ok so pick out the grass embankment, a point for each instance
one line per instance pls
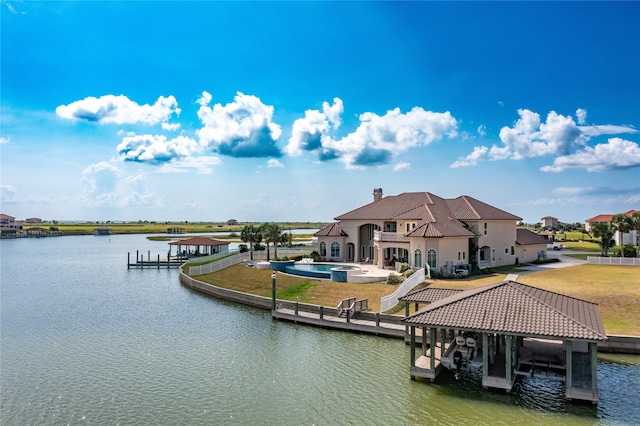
(616, 289)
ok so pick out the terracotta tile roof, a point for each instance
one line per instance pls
(428, 295)
(468, 208)
(600, 218)
(608, 217)
(408, 205)
(199, 241)
(513, 308)
(426, 206)
(434, 214)
(331, 230)
(524, 237)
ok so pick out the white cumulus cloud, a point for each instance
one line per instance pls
(156, 149)
(242, 128)
(119, 110)
(557, 136)
(308, 133)
(273, 163)
(616, 154)
(402, 166)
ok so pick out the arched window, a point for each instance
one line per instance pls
(335, 249)
(432, 258)
(417, 259)
(323, 249)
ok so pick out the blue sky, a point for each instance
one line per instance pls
(295, 111)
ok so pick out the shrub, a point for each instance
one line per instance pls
(404, 267)
(394, 279)
(408, 272)
(243, 248)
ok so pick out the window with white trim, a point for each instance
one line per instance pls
(335, 249)
(417, 258)
(432, 258)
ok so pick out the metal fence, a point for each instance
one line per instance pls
(388, 302)
(628, 261)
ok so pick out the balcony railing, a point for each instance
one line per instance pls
(389, 236)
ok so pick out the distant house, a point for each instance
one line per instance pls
(101, 231)
(421, 228)
(36, 231)
(232, 222)
(627, 238)
(8, 226)
(33, 220)
(549, 222)
(529, 246)
(175, 230)
(591, 223)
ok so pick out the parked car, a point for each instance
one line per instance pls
(554, 246)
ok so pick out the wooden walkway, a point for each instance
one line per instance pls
(378, 328)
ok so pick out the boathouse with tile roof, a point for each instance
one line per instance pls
(516, 330)
(199, 246)
(421, 228)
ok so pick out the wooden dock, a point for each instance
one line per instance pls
(375, 325)
(158, 263)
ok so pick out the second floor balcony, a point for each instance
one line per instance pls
(397, 237)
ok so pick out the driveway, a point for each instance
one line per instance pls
(563, 263)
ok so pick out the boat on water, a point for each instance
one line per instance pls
(464, 353)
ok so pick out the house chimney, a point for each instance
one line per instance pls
(377, 194)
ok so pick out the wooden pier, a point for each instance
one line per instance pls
(167, 263)
(368, 323)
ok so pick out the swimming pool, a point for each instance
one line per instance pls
(329, 271)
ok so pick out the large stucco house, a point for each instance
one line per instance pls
(8, 226)
(630, 237)
(422, 229)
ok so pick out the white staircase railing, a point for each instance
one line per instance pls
(388, 302)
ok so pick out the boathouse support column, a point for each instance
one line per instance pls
(412, 346)
(593, 360)
(507, 356)
(443, 338)
(406, 314)
(433, 332)
(424, 341)
(569, 364)
(485, 355)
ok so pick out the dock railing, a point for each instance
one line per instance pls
(388, 302)
(345, 305)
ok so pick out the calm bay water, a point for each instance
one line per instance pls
(86, 341)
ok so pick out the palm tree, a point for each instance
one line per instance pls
(251, 234)
(272, 234)
(604, 232)
(635, 223)
(621, 223)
